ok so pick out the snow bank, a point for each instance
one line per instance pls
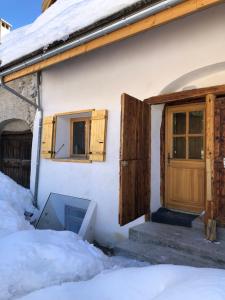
(14, 201)
(34, 259)
(56, 23)
(163, 282)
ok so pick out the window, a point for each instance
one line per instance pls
(75, 136)
(80, 137)
(188, 135)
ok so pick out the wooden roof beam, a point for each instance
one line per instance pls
(46, 4)
(188, 94)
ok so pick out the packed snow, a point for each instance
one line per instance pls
(63, 18)
(47, 264)
(33, 259)
(14, 200)
(162, 282)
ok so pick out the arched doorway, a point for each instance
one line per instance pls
(15, 151)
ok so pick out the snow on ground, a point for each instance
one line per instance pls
(14, 201)
(55, 24)
(162, 282)
(33, 259)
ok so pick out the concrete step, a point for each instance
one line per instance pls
(155, 254)
(185, 240)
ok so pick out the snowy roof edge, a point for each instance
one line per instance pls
(44, 57)
(105, 21)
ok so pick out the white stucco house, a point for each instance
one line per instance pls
(166, 61)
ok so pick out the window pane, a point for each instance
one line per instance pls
(196, 121)
(196, 150)
(79, 137)
(179, 123)
(179, 147)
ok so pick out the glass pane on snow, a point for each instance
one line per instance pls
(63, 212)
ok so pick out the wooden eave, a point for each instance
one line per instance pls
(46, 4)
(183, 9)
(186, 95)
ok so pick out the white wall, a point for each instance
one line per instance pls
(184, 53)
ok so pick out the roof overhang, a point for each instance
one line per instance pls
(169, 14)
(46, 4)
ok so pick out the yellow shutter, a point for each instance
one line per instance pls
(47, 137)
(98, 135)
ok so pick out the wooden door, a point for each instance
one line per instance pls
(15, 156)
(185, 158)
(219, 158)
(134, 159)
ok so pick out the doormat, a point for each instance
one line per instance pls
(166, 216)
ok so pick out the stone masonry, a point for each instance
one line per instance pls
(14, 109)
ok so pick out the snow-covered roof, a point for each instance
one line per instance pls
(57, 23)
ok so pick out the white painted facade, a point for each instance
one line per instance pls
(187, 53)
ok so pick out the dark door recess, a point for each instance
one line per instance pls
(15, 156)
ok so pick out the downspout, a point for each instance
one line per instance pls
(38, 158)
(38, 108)
(140, 15)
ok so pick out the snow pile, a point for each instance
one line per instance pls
(14, 201)
(149, 283)
(34, 259)
(55, 24)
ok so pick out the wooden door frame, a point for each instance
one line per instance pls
(208, 95)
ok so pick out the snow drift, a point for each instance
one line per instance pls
(33, 259)
(14, 201)
(57, 23)
(163, 282)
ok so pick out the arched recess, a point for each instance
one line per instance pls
(15, 150)
(206, 76)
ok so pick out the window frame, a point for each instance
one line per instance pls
(87, 121)
(187, 109)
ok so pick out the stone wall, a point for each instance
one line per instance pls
(13, 108)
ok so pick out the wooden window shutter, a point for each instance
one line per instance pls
(134, 159)
(48, 137)
(98, 135)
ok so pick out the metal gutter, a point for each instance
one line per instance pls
(142, 14)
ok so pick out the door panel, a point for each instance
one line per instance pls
(185, 162)
(219, 158)
(134, 159)
(15, 156)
